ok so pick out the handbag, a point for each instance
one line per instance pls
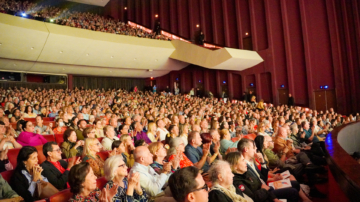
(45, 190)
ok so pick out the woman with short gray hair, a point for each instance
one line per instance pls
(223, 189)
(129, 189)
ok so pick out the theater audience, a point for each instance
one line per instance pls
(225, 142)
(109, 138)
(27, 137)
(140, 134)
(54, 168)
(7, 193)
(60, 126)
(196, 154)
(7, 141)
(152, 134)
(81, 124)
(129, 148)
(158, 151)
(129, 188)
(27, 174)
(71, 147)
(42, 129)
(82, 181)
(176, 150)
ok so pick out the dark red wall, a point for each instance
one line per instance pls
(304, 44)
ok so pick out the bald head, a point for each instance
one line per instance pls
(282, 132)
(143, 156)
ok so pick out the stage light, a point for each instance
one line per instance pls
(151, 77)
(156, 15)
(125, 8)
(177, 79)
(224, 82)
(321, 87)
(282, 86)
(251, 84)
(199, 81)
(197, 25)
(326, 87)
(51, 20)
(23, 14)
(246, 33)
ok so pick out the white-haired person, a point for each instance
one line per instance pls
(222, 189)
(129, 188)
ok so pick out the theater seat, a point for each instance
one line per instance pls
(49, 119)
(30, 119)
(100, 139)
(49, 138)
(100, 182)
(250, 136)
(103, 155)
(59, 139)
(63, 195)
(13, 125)
(7, 175)
(41, 156)
(12, 156)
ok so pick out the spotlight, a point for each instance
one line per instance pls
(151, 77)
(321, 87)
(326, 87)
(51, 20)
(197, 25)
(177, 79)
(125, 8)
(24, 15)
(156, 15)
(251, 84)
(224, 82)
(199, 81)
(246, 33)
(282, 86)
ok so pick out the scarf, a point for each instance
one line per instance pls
(231, 192)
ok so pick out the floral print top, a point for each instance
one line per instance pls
(121, 194)
(94, 196)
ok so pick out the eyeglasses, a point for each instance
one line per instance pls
(57, 150)
(204, 187)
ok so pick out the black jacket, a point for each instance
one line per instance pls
(252, 187)
(20, 185)
(218, 196)
(54, 175)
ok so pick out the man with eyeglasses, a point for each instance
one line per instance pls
(187, 185)
(55, 169)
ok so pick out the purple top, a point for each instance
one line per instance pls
(143, 135)
(30, 139)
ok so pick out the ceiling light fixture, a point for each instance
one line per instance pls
(112, 56)
(61, 52)
(32, 48)
(87, 54)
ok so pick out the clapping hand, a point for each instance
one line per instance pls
(229, 150)
(166, 167)
(3, 154)
(107, 194)
(217, 147)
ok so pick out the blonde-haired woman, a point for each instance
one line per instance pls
(91, 147)
(153, 135)
(261, 129)
(184, 131)
(260, 105)
(128, 189)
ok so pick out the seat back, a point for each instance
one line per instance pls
(30, 119)
(41, 156)
(49, 119)
(59, 138)
(100, 139)
(250, 136)
(100, 182)
(63, 195)
(49, 138)
(12, 156)
(7, 175)
(103, 155)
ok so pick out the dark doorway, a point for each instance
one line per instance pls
(283, 96)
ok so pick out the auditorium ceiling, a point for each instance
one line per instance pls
(36, 47)
(92, 2)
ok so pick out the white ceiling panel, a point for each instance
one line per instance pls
(92, 2)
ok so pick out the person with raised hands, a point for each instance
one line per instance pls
(196, 154)
(27, 174)
(158, 151)
(57, 170)
(71, 147)
(129, 188)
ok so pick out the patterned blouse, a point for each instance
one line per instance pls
(121, 194)
(96, 163)
(184, 162)
(94, 196)
(159, 167)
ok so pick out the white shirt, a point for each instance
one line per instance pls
(149, 179)
(163, 133)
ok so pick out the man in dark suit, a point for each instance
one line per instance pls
(55, 169)
(291, 101)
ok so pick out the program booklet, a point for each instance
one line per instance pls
(280, 184)
(285, 174)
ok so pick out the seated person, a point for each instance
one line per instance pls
(225, 142)
(222, 189)
(71, 147)
(7, 141)
(176, 150)
(188, 185)
(60, 127)
(91, 147)
(174, 132)
(81, 124)
(120, 149)
(129, 188)
(82, 183)
(109, 138)
(309, 132)
(140, 134)
(158, 151)
(54, 168)
(129, 148)
(28, 138)
(99, 129)
(149, 179)
(27, 173)
(152, 134)
(196, 154)
(6, 193)
(4, 162)
(42, 129)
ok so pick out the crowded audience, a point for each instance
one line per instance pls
(160, 147)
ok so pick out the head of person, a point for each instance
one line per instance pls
(82, 178)
(70, 135)
(113, 122)
(28, 126)
(16, 113)
(224, 125)
(215, 135)
(59, 122)
(184, 129)
(124, 129)
(247, 147)
(282, 132)
(115, 168)
(29, 110)
(27, 158)
(295, 129)
(38, 120)
(204, 124)
(195, 128)
(220, 173)
(127, 121)
(89, 132)
(174, 130)
(237, 162)
(268, 142)
(2, 128)
(225, 134)
(82, 124)
(109, 132)
(188, 185)
(91, 146)
(176, 145)
(143, 156)
(52, 151)
(126, 140)
(158, 150)
(260, 143)
(194, 139)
